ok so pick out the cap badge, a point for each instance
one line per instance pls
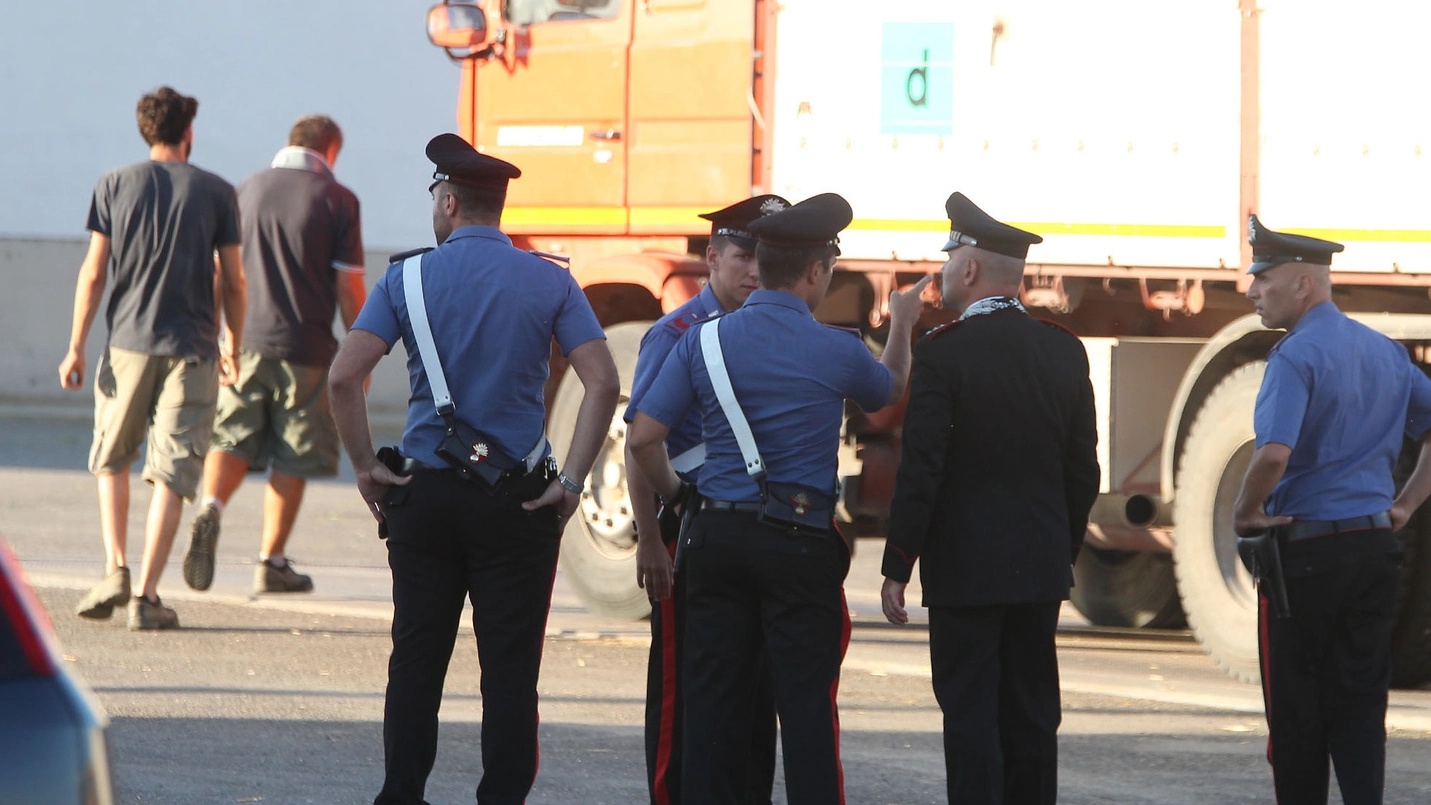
(802, 504)
(480, 451)
(772, 205)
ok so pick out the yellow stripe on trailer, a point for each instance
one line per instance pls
(669, 216)
(1368, 235)
(1049, 228)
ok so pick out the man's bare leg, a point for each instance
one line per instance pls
(114, 516)
(223, 473)
(114, 589)
(164, 510)
(280, 508)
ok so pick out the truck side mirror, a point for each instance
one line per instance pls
(457, 26)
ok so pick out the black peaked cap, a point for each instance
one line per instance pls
(1275, 248)
(971, 226)
(457, 161)
(734, 221)
(816, 221)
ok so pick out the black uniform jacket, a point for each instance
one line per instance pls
(999, 466)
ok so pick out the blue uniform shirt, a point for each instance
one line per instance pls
(656, 344)
(1340, 395)
(493, 310)
(791, 375)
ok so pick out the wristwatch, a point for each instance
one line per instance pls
(568, 484)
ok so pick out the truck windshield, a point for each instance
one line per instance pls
(527, 12)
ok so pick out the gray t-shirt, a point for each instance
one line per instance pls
(164, 220)
(300, 227)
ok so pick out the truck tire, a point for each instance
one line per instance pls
(1127, 588)
(1217, 592)
(598, 548)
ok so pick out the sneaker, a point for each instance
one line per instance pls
(271, 578)
(113, 591)
(199, 561)
(146, 614)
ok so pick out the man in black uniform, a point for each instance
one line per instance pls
(997, 477)
(476, 507)
(1335, 402)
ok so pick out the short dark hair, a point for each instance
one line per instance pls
(164, 115)
(315, 132)
(782, 266)
(477, 202)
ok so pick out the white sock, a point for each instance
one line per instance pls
(213, 503)
(275, 559)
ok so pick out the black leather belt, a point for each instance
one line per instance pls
(411, 466)
(729, 506)
(1308, 529)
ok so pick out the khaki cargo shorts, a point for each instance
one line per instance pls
(171, 399)
(278, 414)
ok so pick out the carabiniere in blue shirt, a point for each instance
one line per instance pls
(791, 375)
(494, 310)
(656, 346)
(1326, 395)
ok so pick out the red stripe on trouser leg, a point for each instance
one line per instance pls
(1264, 657)
(662, 789)
(846, 627)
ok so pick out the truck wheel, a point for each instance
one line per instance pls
(1217, 592)
(1127, 588)
(598, 549)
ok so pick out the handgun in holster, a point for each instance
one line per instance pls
(1262, 556)
(675, 519)
(393, 459)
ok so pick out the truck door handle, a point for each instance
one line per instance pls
(606, 134)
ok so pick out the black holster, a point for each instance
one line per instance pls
(393, 459)
(675, 519)
(1262, 556)
(475, 455)
(799, 508)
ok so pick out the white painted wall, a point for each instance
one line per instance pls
(71, 73)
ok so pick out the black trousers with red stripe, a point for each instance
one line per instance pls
(665, 705)
(995, 673)
(450, 540)
(748, 586)
(1326, 669)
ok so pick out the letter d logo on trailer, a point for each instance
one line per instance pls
(917, 78)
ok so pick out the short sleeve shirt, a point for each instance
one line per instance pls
(1341, 395)
(164, 220)
(300, 229)
(791, 375)
(656, 344)
(494, 311)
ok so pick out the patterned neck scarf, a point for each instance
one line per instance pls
(992, 304)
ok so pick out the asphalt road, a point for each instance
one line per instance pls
(279, 699)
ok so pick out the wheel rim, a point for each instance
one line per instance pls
(1229, 564)
(605, 507)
